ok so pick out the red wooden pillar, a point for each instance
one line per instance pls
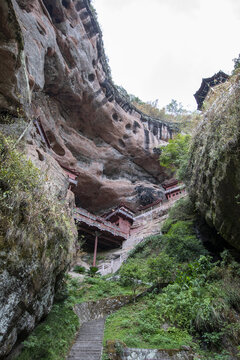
(95, 249)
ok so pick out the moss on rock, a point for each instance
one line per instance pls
(36, 242)
(215, 162)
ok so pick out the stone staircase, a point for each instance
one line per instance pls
(88, 344)
(92, 315)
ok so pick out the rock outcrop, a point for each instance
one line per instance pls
(37, 238)
(53, 68)
(215, 162)
(56, 88)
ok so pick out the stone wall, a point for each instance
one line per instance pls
(154, 354)
(93, 310)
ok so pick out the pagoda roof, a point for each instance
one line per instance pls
(208, 83)
(169, 183)
(122, 211)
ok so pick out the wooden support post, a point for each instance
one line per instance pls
(95, 250)
(97, 233)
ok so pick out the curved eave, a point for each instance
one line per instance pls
(202, 92)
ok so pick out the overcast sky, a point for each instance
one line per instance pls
(161, 49)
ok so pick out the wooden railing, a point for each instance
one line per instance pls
(86, 217)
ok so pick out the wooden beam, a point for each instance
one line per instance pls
(119, 242)
(103, 242)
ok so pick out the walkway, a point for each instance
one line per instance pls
(145, 224)
(113, 259)
(88, 344)
(92, 315)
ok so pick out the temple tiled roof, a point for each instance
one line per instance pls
(208, 83)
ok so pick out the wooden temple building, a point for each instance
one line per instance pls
(173, 189)
(107, 231)
(207, 84)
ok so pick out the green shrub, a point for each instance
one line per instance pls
(161, 269)
(175, 155)
(79, 269)
(150, 245)
(131, 275)
(182, 210)
(92, 271)
(182, 243)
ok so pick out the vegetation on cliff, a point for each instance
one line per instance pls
(36, 244)
(214, 161)
(172, 113)
(199, 306)
(175, 156)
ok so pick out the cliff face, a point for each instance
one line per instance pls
(54, 68)
(215, 163)
(36, 246)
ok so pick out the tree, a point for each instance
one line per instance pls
(174, 156)
(131, 275)
(161, 269)
(236, 64)
(175, 108)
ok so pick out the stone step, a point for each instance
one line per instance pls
(80, 351)
(88, 343)
(85, 345)
(85, 337)
(85, 357)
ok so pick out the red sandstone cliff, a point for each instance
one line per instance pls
(53, 66)
(53, 69)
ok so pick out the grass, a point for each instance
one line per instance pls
(138, 325)
(52, 338)
(99, 288)
(199, 307)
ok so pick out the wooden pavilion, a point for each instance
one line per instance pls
(208, 83)
(107, 231)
